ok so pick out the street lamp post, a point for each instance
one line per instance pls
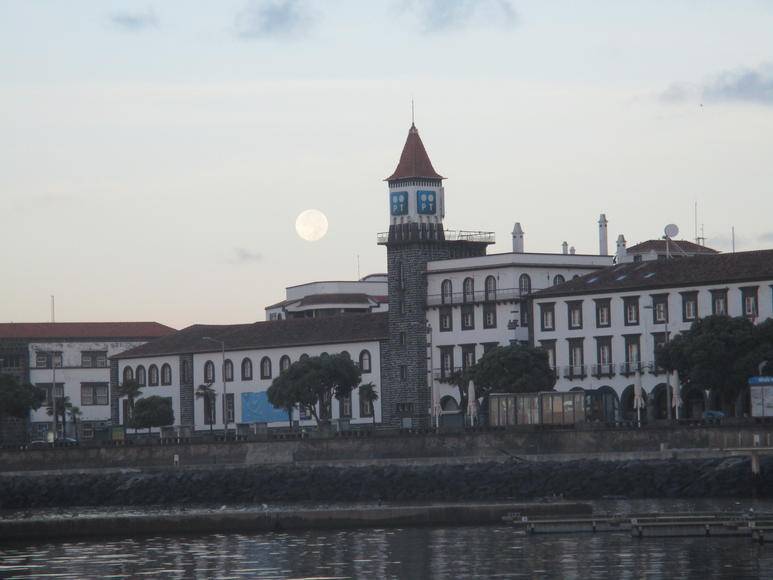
(222, 374)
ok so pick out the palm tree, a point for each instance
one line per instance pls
(207, 393)
(59, 409)
(368, 393)
(74, 413)
(131, 390)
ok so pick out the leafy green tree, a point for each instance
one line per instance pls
(152, 412)
(18, 399)
(719, 353)
(206, 392)
(313, 382)
(512, 369)
(131, 390)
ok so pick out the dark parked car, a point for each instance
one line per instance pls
(713, 416)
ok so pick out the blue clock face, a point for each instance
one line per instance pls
(398, 201)
(426, 202)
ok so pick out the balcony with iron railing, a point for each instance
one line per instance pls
(452, 236)
(575, 372)
(603, 370)
(442, 374)
(478, 296)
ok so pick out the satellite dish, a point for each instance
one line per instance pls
(671, 230)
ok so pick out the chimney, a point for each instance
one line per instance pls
(620, 255)
(518, 238)
(603, 246)
(564, 248)
(572, 250)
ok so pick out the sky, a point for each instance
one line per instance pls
(154, 155)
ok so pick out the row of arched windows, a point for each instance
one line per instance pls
(151, 378)
(490, 289)
(265, 367)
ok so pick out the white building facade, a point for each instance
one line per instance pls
(239, 362)
(601, 330)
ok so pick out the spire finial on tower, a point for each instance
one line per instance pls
(413, 122)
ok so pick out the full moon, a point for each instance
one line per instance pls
(311, 225)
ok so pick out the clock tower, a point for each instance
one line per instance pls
(416, 236)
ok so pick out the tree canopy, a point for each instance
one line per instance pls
(154, 411)
(719, 352)
(313, 382)
(512, 369)
(17, 399)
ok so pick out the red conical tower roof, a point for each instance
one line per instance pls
(414, 161)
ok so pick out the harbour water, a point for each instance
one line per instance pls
(413, 553)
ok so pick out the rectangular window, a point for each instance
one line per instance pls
(228, 408)
(487, 346)
(603, 314)
(576, 359)
(43, 359)
(402, 339)
(403, 372)
(446, 321)
(689, 306)
(94, 359)
(658, 340)
(446, 361)
(366, 406)
(209, 410)
(468, 355)
(550, 348)
(604, 366)
(749, 301)
(659, 308)
(47, 390)
(345, 407)
(574, 309)
(631, 310)
(94, 394)
(719, 302)
(632, 354)
(547, 316)
(468, 317)
(489, 316)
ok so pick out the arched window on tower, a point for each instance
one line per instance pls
(228, 370)
(558, 279)
(446, 292)
(365, 361)
(524, 284)
(128, 374)
(468, 290)
(141, 375)
(284, 363)
(491, 288)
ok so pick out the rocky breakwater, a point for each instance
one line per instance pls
(495, 481)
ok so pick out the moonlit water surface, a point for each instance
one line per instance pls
(404, 553)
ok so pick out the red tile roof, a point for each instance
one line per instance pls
(268, 334)
(676, 248)
(67, 330)
(414, 161)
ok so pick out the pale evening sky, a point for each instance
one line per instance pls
(154, 155)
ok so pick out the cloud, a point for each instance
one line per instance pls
(441, 15)
(134, 21)
(742, 85)
(273, 19)
(242, 255)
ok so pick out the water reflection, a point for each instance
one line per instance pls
(433, 553)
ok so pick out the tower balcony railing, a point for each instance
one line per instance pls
(452, 236)
(575, 372)
(478, 296)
